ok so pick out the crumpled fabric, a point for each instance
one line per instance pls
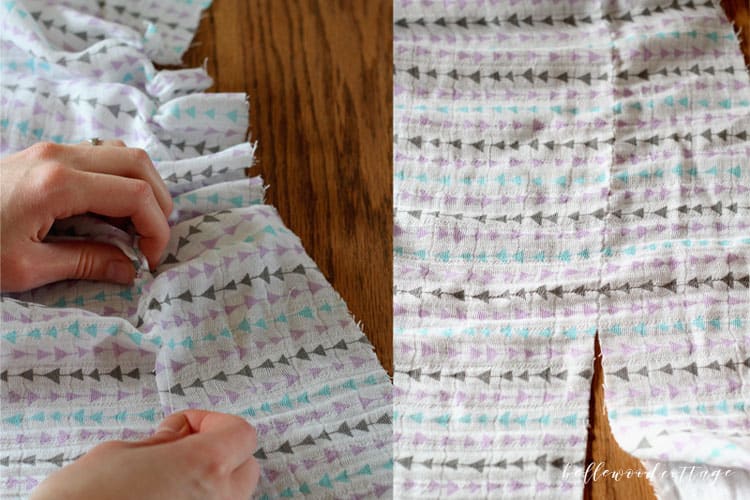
(563, 168)
(236, 318)
(91, 228)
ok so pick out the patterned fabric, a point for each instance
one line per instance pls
(562, 168)
(676, 355)
(237, 318)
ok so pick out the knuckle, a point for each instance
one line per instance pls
(45, 150)
(215, 469)
(120, 143)
(86, 264)
(142, 190)
(50, 176)
(214, 464)
(140, 157)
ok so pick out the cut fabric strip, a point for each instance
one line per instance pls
(675, 334)
(562, 169)
(502, 154)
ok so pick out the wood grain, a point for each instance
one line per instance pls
(318, 75)
(602, 446)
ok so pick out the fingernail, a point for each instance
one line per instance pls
(167, 429)
(119, 272)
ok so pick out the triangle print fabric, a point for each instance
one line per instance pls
(675, 350)
(236, 319)
(562, 168)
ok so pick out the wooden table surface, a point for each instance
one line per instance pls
(318, 74)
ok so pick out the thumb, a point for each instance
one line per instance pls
(83, 260)
(172, 428)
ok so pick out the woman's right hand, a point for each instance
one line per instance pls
(194, 455)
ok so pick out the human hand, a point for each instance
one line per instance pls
(194, 454)
(47, 182)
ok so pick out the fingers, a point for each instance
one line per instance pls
(172, 428)
(111, 157)
(81, 260)
(228, 436)
(115, 196)
(109, 180)
(216, 446)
